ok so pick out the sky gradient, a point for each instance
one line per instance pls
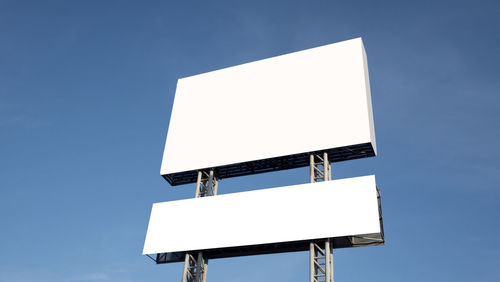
(86, 89)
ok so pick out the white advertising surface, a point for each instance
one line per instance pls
(349, 207)
(300, 102)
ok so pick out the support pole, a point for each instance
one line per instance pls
(312, 166)
(328, 264)
(320, 253)
(327, 174)
(199, 268)
(198, 184)
(195, 268)
(312, 272)
(186, 269)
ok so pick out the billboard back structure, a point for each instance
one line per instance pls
(271, 114)
(273, 220)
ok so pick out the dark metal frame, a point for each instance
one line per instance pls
(274, 164)
(274, 248)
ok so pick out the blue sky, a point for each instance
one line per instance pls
(86, 89)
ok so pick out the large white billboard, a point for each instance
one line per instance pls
(339, 208)
(312, 100)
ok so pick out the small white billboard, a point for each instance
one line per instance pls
(269, 114)
(279, 219)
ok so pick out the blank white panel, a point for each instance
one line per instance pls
(345, 207)
(300, 102)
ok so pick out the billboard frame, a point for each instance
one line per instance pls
(274, 164)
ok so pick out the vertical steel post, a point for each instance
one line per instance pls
(195, 269)
(312, 271)
(198, 184)
(325, 166)
(215, 187)
(331, 265)
(199, 268)
(205, 267)
(320, 257)
(328, 252)
(186, 269)
(210, 183)
(311, 168)
(327, 174)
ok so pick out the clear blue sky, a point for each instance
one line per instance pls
(86, 89)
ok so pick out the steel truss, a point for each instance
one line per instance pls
(195, 265)
(321, 260)
(320, 253)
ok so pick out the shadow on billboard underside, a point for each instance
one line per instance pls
(274, 164)
(275, 248)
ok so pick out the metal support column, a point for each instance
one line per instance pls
(320, 253)
(195, 265)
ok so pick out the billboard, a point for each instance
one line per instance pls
(269, 220)
(270, 114)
